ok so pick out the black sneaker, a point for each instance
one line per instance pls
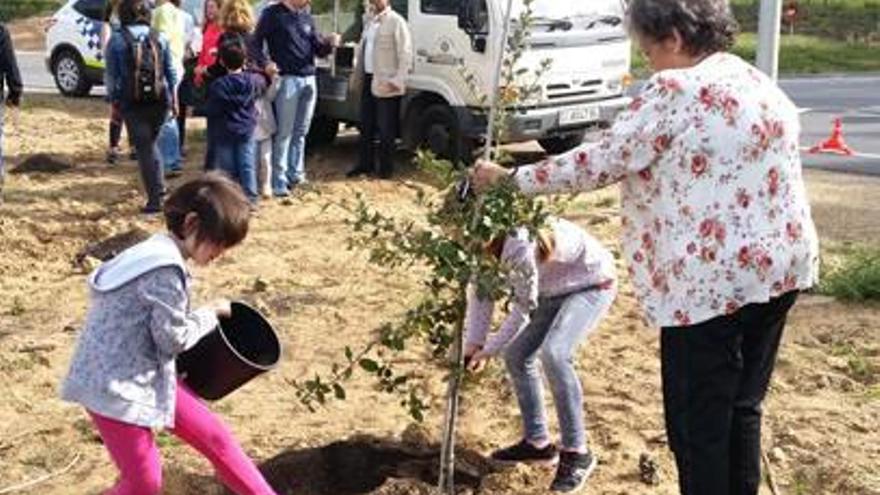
(573, 471)
(113, 156)
(525, 452)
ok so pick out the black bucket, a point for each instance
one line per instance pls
(240, 348)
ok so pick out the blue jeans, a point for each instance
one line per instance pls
(169, 145)
(294, 108)
(557, 328)
(238, 160)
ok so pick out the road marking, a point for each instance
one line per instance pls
(872, 156)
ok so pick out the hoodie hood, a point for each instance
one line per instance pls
(158, 251)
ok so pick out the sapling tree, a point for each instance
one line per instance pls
(448, 245)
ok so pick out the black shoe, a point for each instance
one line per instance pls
(358, 171)
(113, 156)
(173, 173)
(385, 173)
(527, 453)
(573, 471)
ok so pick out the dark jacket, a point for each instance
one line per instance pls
(292, 39)
(9, 73)
(231, 105)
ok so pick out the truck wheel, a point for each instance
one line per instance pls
(323, 131)
(69, 72)
(560, 144)
(442, 136)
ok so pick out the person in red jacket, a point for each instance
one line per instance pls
(211, 32)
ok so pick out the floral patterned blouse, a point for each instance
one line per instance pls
(714, 208)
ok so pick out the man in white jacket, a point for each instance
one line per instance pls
(384, 60)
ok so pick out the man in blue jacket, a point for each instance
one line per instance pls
(288, 30)
(11, 78)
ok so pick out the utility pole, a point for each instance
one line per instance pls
(769, 22)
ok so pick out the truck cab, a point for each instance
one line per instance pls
(585, 43)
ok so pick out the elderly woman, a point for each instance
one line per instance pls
(716, 229)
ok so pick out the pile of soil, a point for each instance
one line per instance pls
(43, 163)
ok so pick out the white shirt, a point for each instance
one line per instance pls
(370, 32)
(369, 44)
(714, 208)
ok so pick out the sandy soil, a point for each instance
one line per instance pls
(823, 410)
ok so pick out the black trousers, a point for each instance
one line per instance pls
(143, 124)
(380, 115)
(715, 377)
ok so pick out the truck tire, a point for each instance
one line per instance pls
(69, 72)
(440, 134)
(560, 144)
(323, 131)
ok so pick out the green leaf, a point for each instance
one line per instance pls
(348, 354)
(339, 391)
(369, 365)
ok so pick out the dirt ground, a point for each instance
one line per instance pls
(821, 431)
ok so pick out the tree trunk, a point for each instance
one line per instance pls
(446, 484)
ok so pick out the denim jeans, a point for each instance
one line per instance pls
(294, 108)
(237, 158)
(715, 377)
(144, 124)
(557, 328)
(169, 144)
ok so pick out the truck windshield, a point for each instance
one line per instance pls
(574, 15)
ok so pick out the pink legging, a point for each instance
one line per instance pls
(135, 454)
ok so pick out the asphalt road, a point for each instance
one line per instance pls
(855, 99)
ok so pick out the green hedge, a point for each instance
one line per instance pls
(850, 20)
(14, 9)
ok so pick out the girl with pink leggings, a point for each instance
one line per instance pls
(123, 371)
(134, 451)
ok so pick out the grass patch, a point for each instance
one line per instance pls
(17, 9)
(851, 274)
(800, 54)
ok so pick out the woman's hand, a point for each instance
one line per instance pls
(486, 173)
(478, 361)
(221, 307)
(474, 357)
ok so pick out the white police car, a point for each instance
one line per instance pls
(73, 46)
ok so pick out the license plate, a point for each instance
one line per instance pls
(578, 115)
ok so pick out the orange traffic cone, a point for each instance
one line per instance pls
(835, 143)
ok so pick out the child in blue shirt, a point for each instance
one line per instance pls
(232, 115)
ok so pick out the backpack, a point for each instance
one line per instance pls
(147, 81)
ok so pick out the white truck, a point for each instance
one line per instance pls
(585, 41)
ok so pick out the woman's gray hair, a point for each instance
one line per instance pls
(705, 26)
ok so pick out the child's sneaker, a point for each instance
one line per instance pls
(113, 156)
(525, 452)
(573, 471)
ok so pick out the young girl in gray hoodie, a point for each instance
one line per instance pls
(123, 370)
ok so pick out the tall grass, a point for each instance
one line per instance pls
(852, 275)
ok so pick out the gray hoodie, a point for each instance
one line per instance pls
(139, 320)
